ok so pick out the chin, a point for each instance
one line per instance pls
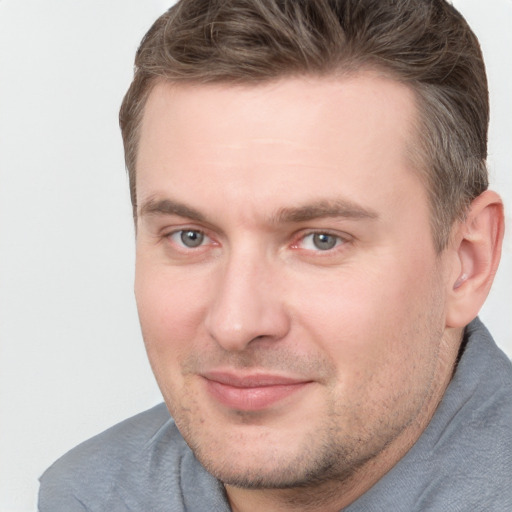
(267, 467)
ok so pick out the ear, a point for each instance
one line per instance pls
(476, 246)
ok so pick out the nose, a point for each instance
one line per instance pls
(248, 303)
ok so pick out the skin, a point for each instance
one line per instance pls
(299, 367)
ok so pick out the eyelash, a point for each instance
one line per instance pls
(180, 232)
(339, 242)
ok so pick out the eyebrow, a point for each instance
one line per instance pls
(324, 209)
(316, 210)
(170, 207)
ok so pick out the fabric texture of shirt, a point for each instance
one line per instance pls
(461, 463)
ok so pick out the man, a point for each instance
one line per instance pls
(315, 239)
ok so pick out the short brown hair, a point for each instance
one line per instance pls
(425, 44)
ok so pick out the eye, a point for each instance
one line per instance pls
(320, 242)
(189, 238)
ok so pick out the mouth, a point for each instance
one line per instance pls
(253, 392)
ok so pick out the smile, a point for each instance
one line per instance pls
(251, 392)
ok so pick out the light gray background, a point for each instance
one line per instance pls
(71, 356)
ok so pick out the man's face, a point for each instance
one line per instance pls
(290, 296)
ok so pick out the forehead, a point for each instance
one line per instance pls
(278, 140)
(362, 99)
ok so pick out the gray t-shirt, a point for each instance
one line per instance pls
(461, 463)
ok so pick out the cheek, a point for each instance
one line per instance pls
(371, 319)
(383, 337)
(171, 304)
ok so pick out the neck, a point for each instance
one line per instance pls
(328, 496)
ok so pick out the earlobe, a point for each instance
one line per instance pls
(477, 251)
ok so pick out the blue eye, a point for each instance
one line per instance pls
(189, 238)
(320, 241)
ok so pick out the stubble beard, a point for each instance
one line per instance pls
(321, 454)
(309, 468)
(324, 456)
(328, 456)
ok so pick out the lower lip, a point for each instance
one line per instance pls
(251, 398)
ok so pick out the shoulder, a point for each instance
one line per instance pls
(125, 464)
(478, 440)
(123, 442)
(465, 455)
(463, 460)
